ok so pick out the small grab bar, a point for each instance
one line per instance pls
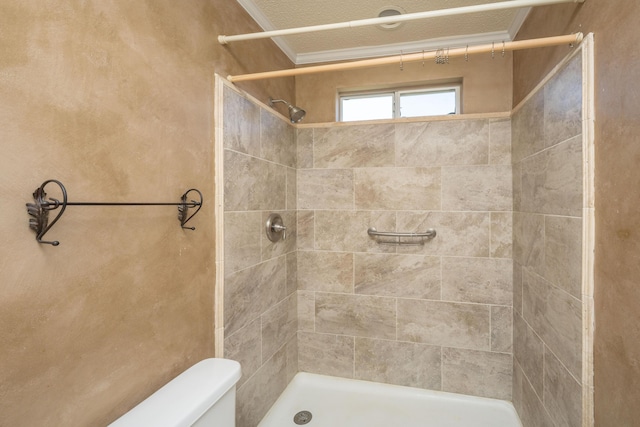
(429, 234)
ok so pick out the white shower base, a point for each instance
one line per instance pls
(339, 402)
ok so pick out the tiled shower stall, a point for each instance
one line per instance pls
(550, 207)
(436, 316)
(504, 193)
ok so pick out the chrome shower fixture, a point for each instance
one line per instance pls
(295, 113)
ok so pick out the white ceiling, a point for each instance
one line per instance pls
(372, 41)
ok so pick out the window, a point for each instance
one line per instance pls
(433, 101)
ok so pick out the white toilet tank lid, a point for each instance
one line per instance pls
(185, 398)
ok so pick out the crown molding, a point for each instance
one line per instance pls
(518, 20)
(382, 50)
(264, 23)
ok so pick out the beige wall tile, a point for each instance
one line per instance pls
(517, 287)
(242, 236)
(501, 234)
(459, 233)
(528, 240)
(356, 315)
(250, 292)
(528, 350)
(501, 329)
(371, 316)
(480, 280)
(517, 389)
(500, 142)
(562, 393)
(291, 349)
(464, 142)
(517, 186)
(369, 146)
(325, 189)
(397, 188)
(552, 180)
(305, 148)
(527, 128)
(241, 124)
(256, 396)
(292, 272)
(347, 230)
(456, 142)
(283, 246)
(253, 184)
(548, 181)
(444, 323)
(306, 311)
(277, 140)
(401, 363)
(306, 230)
(326, 354)
(292, 189)
(556, 317)
(477, 188)
(325, 271)
(256, 297)
(408, 276)
(529, 406)
(563, 104)
(279, 326)
(415, 145)
(245, 346)
(563, 253)
(479, 373)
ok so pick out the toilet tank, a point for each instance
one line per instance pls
(203, 395)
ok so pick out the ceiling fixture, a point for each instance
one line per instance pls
(390, 11)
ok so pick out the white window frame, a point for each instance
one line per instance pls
(396, 93)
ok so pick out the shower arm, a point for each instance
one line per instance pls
(272, 101)
(295, 113)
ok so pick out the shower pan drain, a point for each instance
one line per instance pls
(302, 417)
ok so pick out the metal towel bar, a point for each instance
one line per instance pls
(412, 237)
(39, 209)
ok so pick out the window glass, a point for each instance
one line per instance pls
(389, 104)
(432, 103)
(366, 107)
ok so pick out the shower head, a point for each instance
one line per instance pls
(295, 113)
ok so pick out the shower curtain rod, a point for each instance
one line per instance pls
(492, 48)
(513, 4)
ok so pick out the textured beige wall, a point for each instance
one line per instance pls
(486, 84)
(437, 316)
(617, 148)
(547, 153)
(260, 305)
(115, 100)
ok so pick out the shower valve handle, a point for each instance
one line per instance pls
(277, 228)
